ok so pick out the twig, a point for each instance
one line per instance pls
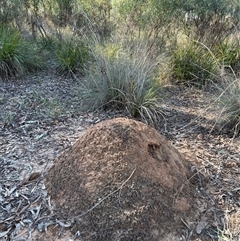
(111, 193)
(185, 224)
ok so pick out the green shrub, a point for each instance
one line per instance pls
(93, 16)
(210, 22)
(229, 100)
(12, 10)
(65, 11)
(193, 64)
(149, 19)
(71, 56)
(122, 79)
(17, 56)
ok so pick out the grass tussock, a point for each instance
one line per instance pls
(228, 53)
(71, 56)
(123, 78)
(17, 57)
(229, 101)
(193, 64)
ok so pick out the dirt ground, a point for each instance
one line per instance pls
(40, 118)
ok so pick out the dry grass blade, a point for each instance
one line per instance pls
(121, 78)
(230, 231)
(229, 100)
(111, 193)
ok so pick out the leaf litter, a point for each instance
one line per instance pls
(34, 132)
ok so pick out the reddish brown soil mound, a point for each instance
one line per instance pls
(121, 181)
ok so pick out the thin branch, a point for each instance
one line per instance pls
(111, 193)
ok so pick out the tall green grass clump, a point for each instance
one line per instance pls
(17, 57)
(228, 54)
(71, 56)
(122, 79)
(193, 64)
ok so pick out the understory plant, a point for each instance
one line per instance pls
(70, 56)
(122, 79)
(229, 100)
(193, 64)
(17, 56)
(228, 53)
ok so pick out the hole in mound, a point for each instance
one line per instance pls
(157, 152)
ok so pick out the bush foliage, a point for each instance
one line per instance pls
(193, 64)
(70, 56)
(17, 57)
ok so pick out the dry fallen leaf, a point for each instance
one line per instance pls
(201, 226)
(3, 234)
